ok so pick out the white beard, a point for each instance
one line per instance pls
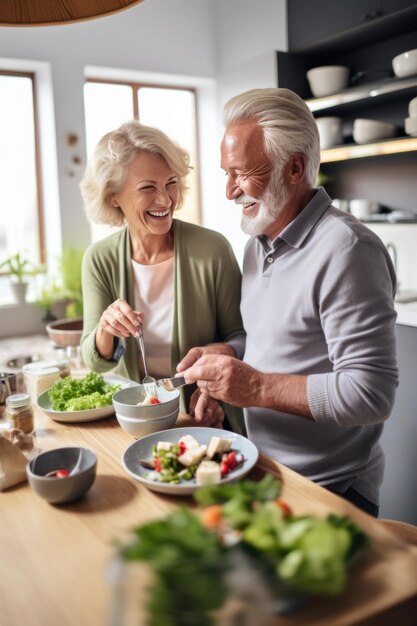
(271, 205)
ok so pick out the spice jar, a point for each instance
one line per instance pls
(19, 412)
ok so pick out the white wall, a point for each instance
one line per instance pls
(248, 35)
(155, 36)
(220, 46)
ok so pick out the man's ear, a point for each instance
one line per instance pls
(296, 168)
(112, 201)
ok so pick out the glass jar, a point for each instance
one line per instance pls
(19, 412)
(39, 379)
(225, 594)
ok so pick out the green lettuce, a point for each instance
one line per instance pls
(80, 394)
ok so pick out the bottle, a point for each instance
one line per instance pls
(19, 412)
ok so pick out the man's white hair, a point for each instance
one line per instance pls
(287, 122)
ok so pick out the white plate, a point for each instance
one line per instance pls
(89, 415)
(142, 449)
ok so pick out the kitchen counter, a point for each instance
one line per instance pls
(407, 313)
(56, 558)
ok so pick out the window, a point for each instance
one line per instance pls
(172, 109)
(21, 226)
(22, 231)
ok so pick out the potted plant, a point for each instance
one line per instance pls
(48, 296)
(18, 268)
(70, 266)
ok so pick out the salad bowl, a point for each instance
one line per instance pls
(88, 415)
(142, 449)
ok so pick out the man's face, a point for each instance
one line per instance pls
(252, 180)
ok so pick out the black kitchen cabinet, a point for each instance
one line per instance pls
(381, 176)
(399, 439)
(329, 25)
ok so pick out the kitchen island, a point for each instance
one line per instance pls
(54, 559)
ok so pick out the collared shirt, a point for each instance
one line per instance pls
(319, 301)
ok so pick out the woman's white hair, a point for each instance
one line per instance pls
(107, 168)
(287, 122)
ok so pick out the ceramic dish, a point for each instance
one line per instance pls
(90, 415)
(142, 449)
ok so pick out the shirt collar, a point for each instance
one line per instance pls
(295, 233)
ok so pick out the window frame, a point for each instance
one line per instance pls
(136, 85)
(38, 166)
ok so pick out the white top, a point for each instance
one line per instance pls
(154, 297)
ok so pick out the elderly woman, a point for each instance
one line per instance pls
(178, 281)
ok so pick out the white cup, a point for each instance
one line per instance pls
(330, 131)
(363, 208)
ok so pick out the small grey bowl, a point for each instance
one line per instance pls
(126, 401)
(70, 488)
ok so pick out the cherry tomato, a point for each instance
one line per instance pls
(224, 469)
(183, 447)
(285, 508)
(231, 460)
(60, 473)
(157, 464)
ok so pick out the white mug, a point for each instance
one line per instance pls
(330, 131)
(361, 208)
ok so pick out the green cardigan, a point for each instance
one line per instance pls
(207, 283)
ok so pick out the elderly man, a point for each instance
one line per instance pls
(318, 373)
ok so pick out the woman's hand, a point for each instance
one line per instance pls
(118, 320)
(206, 410)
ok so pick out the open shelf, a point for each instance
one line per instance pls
(363, 92)
(360, 151)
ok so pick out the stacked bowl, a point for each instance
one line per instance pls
(141, 420)
(326, 80)
(405, 64)
(410, 123)
(367, 131)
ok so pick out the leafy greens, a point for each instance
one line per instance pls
(89, 392)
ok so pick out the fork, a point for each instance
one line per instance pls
(148, 381)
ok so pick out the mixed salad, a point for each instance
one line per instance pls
(297, 556)
(186, 459)
(80, 394)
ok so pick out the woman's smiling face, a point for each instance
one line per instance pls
(149, 194)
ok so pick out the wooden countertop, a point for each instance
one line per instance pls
(53, 559)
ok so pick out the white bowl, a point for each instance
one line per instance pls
(330, 131)
(328, 79)
(140, 428)
(412, 107)
(405, 64)
(366, 131)
(125, 402)
(410, 125)
(362, 208)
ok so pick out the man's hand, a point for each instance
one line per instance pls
(196, 353)
(205, 410)
(233, 381)
(226, 378)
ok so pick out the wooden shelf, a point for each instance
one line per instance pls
(362, 92)
(360, 151)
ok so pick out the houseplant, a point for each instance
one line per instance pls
(18, 268)
(70, 266)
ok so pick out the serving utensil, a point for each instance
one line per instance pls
(169, 384)
(147, 380)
